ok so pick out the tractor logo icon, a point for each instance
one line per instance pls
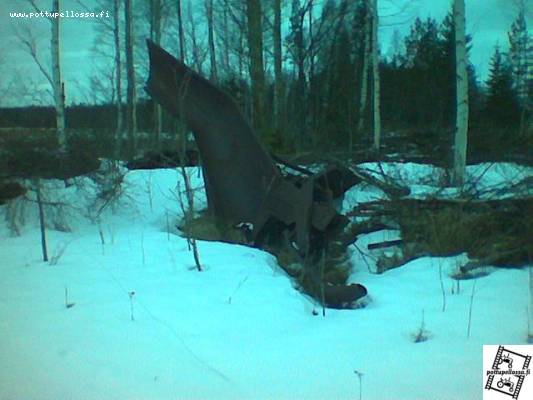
(506, 382)
(505, 359)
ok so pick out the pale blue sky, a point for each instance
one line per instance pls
(487, 20)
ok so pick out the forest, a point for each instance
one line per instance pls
(309, 85)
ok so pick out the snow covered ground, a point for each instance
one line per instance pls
(133, 319)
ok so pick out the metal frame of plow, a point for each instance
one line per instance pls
(243, 183)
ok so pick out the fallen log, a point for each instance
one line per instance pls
(384, 244)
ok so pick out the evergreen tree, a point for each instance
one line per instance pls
(422, 44)
(502, 103)
(425, 76)
(520, 50)
(519, 42)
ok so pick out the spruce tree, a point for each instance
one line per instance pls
(519, 42)
(501, 106)
(520, 49)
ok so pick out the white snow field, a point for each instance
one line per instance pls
(133, 318)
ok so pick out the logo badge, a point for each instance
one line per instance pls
(506, 372)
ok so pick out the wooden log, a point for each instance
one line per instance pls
(384, 244)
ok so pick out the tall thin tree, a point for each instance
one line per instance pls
(181, 36)
(520, 49)
(461, 124)
(155, 36)
(118, 76)
(257, 73)
(196, 50)
(298, 52)
(58, 88)
(278, 72)
(131, 114)
(367, 53)
(211, 40)
(376, 87)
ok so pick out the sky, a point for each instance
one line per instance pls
(487, 21)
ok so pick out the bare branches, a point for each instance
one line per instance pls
(27, 38)
(34, 6)
(98, 4)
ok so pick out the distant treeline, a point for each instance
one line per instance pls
(82, 116)
(322, 103)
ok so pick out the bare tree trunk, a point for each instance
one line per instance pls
(240, 50)
(118, 77)
(364, 76)
(301, 101)
(297, 20)
(131, 114)
(278, 73)
(376, 81)
(188, 215)
(257, 73)
(188, 211)
(211, 40)
(179, 127)
(248, 107)
(225, 28)
(54, 79)
(42, 222)
(180, 32)
(196, 59)
(59, 92)
(313, 106)
(460, 142)
(155, 33)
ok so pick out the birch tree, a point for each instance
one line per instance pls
(197, 53)
(364, 76)
(118, 76)
(375, 75)
(131, 110)
(211, 40)
(55, 77)
(233, 36)
(155, 36)
(257, 73)
(224, 39)
(59, 92)
(461, 99)
(298, 54)
(279, 94)
(181, 35)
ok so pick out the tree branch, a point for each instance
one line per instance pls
(28, 40)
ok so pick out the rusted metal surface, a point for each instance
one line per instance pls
(243, 183)
(238, 169)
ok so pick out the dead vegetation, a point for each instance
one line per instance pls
(204, 226)
(493, 232)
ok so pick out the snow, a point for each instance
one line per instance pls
(237, 330)
(483, 181)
